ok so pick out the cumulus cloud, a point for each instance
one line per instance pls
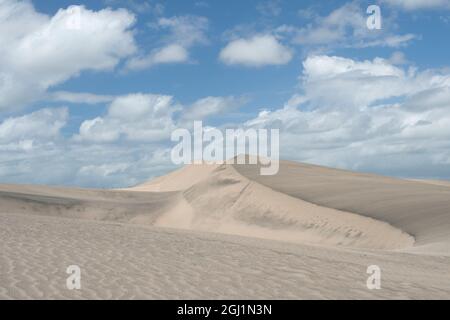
(41, 126)
(127, 145)
(150, 117)
(376, 81)
(184, 32)
(40, 51)
(256, 51)
(367, 115)
(134, 117)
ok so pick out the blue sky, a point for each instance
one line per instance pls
(90, 90)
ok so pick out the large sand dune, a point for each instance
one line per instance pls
(418, 208)
(330, 225)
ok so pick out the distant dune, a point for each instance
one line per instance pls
(315, 211)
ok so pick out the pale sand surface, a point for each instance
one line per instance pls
(330, 226)
(420, 209)
(120, 261)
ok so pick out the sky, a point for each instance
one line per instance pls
(91, 91)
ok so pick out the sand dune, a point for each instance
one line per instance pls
(420, 209)
(228, 203)
(120, 206)
(210, 198)
(329, 219)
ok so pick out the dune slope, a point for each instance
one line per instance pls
(120, 206)
(227, 202)
(420, 209)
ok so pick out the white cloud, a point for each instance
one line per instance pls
(170, 54)
(39, 51)
(39, 126)
(173, 53)
(345, 27)
(435, 97)
(209, 106)
(376, 80)
(134, 117)
(150, 118)
(419, 4)
(367, 115)
(126, 146)
(185, 30)
(257, 51)
(320, 67)
(184, 33)
(129, 144)
(79, 97)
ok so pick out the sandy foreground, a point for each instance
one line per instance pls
(225, 232)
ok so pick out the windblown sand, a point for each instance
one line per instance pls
(224, 231)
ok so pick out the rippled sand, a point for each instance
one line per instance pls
(120, 261)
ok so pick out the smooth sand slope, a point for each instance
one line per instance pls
(330, 226)
(119, 206)
(420, 209)
(217, 198)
